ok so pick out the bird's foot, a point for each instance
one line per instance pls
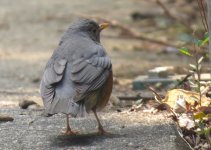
(101, 131)
(70, 132)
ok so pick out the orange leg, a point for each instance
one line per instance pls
(68, 130)
(100, 127)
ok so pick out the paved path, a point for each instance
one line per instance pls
(135, 130)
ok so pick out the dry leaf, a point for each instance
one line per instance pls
(179, 98)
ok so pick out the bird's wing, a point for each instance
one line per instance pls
(54, 71)
(53, 74)
(90, 74)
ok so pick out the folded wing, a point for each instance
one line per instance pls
(90, 74)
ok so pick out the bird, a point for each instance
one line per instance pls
(78, 77)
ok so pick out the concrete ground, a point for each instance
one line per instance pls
(129, 130)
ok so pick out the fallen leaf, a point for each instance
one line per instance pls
(179, 99)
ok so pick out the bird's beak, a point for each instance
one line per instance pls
(103, 26)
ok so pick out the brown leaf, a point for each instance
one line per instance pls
(181, 100)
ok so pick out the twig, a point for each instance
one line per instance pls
(197, 70)
(179, 131)
(159, 100)
(183, 80)
(202, 13)
(166, 11)
(134, 98)
(158, 97)
(199, 5)
(143, 39)
(126, 32)
(130, 98)
(204, 17)
(171, 16)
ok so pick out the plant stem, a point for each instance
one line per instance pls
(209, 26)
(198, 72)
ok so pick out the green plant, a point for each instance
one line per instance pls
(195, 69)
(202, 127)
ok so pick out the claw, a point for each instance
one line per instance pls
(70, 132)
(101, 131)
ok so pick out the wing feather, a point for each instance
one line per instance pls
(53, 74)
(92, 75)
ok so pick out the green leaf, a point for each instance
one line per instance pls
(204, 40)
(185, 51)
(199, 115)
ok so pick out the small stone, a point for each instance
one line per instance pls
(205, 146)
(130, 144)
(186, 122)
(119, 110)
(26, 103)
(5, 118)
(36, 80)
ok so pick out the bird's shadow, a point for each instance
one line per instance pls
(80, 139)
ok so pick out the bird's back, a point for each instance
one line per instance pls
(85, 71)
(66, 89)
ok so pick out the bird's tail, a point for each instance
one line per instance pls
(82, 111)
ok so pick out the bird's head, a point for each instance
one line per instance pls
(89, 27)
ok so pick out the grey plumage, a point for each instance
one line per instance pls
(77, 68)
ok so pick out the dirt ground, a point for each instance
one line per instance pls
(30, 31)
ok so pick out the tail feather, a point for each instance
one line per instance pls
(66, 106)
(55, 105)
(82, 111)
